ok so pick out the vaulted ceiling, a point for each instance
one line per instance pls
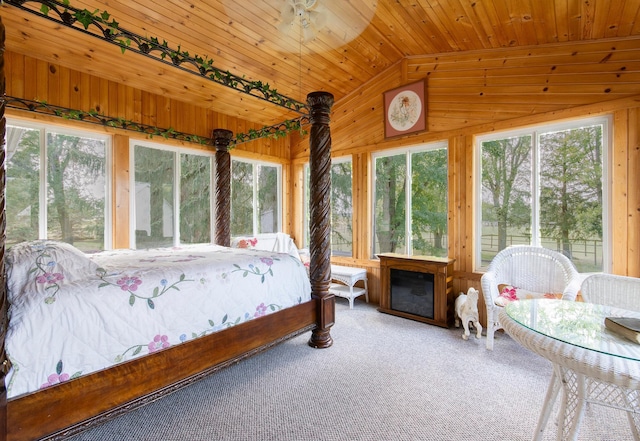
(359, 40)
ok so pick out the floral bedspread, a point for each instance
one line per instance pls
(73, 313)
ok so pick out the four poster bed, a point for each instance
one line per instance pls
(71, 406)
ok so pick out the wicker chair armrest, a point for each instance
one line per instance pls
(572, 289)
(489, 288)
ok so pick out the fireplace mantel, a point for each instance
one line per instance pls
(441, 270)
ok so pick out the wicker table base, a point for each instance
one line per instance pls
(599, 367)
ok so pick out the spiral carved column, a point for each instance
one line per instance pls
(221, 140)
(4, 363)
(320, 228)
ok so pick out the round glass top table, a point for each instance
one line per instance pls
(591, 364)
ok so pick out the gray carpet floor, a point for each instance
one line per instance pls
(384, 378)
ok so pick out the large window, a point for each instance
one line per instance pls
(410, 201)
(57, 186)
(172, 202)
(341, 206)
(256, 189)
(544, 186)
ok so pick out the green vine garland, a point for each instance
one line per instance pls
(110, 30)
(92, 116)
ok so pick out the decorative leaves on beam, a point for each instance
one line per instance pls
(276, 131)
(93, 117)
(101, 25)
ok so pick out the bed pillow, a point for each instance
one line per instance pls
(42, 264)
(509, 293)
(245, 242)
(305, 257)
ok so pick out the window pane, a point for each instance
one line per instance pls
(154, 171)
(389, 210)
(242, 198)
(195, 199)
(267, 199)
(23, 180)
(571, 195)
(506, 195)
(341, 209)
(429, 203)
(76, 190)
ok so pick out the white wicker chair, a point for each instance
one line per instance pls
(530, 268)
(611, 290)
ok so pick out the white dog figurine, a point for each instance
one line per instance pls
(467, 311)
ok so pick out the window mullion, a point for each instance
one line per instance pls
(176, 198)
(408, 212)
(535, 190)
(256, 211)
(44, 163)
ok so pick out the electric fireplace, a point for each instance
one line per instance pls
(417, 287)
(412, 292)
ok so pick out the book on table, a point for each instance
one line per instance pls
(628, 327)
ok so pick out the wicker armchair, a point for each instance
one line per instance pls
(531, 268)
(611, 290)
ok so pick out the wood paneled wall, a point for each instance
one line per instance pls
(476, 93)
(33, 79)
(468, 94)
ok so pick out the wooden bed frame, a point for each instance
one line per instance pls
(71, 407)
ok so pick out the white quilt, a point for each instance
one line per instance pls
(73, 313)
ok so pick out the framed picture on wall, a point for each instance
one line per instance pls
(405, 110)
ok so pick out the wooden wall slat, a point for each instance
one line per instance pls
(66, 88)
(619, 192)
(120, 191)
(42, 80)
(16, 76)
(633, 224)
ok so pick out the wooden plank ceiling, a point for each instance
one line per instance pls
(359, 40)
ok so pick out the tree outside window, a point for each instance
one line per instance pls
(413, 182)
(154, 197)
(268, 207)
(195, 198)
(545, 187)
(341, 206)
(161, 199)
(255, 198)
(74, 186)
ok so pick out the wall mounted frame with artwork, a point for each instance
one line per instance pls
(405, 110)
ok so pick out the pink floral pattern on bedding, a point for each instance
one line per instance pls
(59, 376)
(158, 342)
(257, 271)
(131, 284)
(77, 303)
(262, 309)
(44, 273)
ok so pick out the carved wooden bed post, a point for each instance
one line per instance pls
(221, 140)
(3, 291)
(320, 203)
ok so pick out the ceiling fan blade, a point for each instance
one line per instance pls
(288, 12)
(318, 18)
